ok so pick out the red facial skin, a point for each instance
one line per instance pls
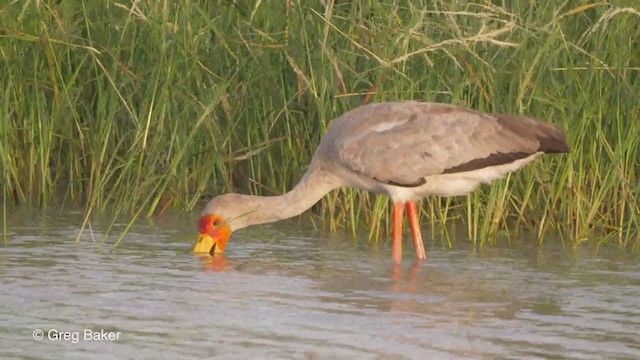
(215, 227)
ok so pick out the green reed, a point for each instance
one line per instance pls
(139, 107)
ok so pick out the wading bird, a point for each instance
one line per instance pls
(405, 150)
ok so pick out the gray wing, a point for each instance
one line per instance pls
(401, 143)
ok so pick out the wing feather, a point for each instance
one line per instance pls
(402, 143)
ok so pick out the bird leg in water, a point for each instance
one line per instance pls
(414, 222)
(398, 213)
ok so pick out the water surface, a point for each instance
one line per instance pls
(288, 291)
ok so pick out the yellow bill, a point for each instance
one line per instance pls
(206, 245)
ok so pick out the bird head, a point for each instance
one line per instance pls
(221, 217)
(214, 235)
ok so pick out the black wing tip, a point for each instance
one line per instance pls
(554, 141)
(495, 159)
(557, 149)
(551, 137)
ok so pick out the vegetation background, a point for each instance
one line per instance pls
(139, 106)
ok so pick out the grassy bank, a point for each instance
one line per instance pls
(144, 106)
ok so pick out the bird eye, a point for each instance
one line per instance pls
(216, 222)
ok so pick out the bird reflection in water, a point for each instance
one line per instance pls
(412, 274)
(410, 290)
(406, 283)
(215, 263)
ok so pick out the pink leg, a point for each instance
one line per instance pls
(398, 212)
(415, 230)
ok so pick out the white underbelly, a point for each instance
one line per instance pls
(457, 183)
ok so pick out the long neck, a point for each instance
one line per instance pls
(311, 188)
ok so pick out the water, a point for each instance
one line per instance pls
(287, 291)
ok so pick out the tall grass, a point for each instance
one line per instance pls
(138, 106)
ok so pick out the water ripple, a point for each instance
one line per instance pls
(286, 292)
